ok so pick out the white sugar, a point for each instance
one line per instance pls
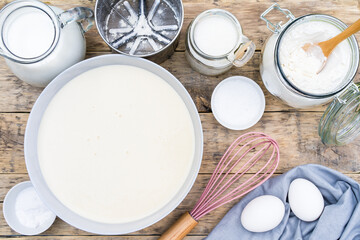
(238, 104)
(29, 209)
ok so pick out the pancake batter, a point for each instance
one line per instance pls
(115, 144)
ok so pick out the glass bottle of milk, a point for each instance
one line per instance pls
(215, 43)
(39, 41)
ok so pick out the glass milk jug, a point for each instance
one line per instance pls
(40, 41)
(213, 55)
(340, 123)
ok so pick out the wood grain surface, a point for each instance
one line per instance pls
(295, 130)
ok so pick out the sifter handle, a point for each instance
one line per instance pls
(180, 228)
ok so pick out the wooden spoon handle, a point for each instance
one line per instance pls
(330, 44)
(180, 228)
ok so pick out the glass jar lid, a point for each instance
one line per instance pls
(340, 123)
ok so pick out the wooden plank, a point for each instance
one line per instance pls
(206, 224)
(12, 129)
(18, 96)
(248, 13)
(296, 133)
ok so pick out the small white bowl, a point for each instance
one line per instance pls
(238, 103)
(9, 212)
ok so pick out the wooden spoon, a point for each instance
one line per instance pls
(326, 47)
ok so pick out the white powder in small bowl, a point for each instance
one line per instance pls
(238, 103)
(30, 210)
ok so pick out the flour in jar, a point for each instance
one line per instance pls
(301, 68)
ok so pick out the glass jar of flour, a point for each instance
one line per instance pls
(291, 74)
(214, 43)
(39, 41)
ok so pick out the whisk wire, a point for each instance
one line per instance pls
(268, 172)
(214, 178)
(236, 194)
(255, 183)
(216, 175)
(236, 176)
(212, 197)
(213, 203)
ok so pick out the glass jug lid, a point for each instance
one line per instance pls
(340, 123)
(29, 31)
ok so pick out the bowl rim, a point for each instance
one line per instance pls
(33, 166)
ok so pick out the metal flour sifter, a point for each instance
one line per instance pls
(142, 28)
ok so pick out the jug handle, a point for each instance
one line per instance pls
(84, 16)
(243, 53)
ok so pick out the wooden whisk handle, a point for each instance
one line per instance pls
(180, 228)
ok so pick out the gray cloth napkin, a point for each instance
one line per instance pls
(340, 219)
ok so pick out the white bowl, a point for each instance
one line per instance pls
(255, 100)
(9, 212)
(31, 135)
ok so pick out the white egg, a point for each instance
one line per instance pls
(263, 213)
(305, 200)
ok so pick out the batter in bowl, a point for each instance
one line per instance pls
(116, 144)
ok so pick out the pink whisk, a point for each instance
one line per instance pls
(223, 186)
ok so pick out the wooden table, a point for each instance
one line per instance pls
(295, 130)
